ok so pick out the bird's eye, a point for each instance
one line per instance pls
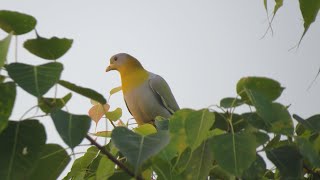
(115, 58)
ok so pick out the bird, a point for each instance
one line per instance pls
(147, 95)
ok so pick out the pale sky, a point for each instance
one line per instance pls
(202, 48)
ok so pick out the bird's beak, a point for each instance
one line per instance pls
(109, 68)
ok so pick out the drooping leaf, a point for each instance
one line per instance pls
(97, 112)
(71, 128)
(89, 93)
(18, 23)
(106, 167)
(282, 123)
(50, 49)
(256, 170)
(277, 6)
(53, 161)
(21, 146)
(268, 88)
(200, 164)
(145, 129)
(288, 160)
(230, 102)
(308, 151)
(115, 90)
(4, 48)
(102, 134)
(309, 10)
(234, 152)
(136, 148)
(114, 115)
(36, 80)
(49, 104)
(81, 164)
(197, 126)
(312, 123)
(7, 99)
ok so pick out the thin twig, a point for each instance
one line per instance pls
(112, 158)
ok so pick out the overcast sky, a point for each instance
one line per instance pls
(202, 48)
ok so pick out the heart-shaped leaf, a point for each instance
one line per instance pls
(97, 111)
(53, 159)
(4, 48)
(18, 23)
(138, 148)
(72, 128)
(7, 98)
(36, 80)
(145, 129)
(50, 49)
(114, 115)
(234, 152)
(49, 104)
(89, 93)
(21, 146)
(230, 102)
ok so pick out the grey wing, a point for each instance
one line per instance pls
(161, 89)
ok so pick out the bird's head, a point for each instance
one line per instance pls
(123, 62)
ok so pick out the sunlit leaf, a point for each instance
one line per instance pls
(18, 23)
(197, 126)
(288, 160)
(53, 161)
(89, 93)
(21, 146)
(49, 104)
(230, 102)
(81, 164)
(50, 49)
(115, 90)
(4, 48)
(7, 99)
(309, 10)
(36, 80)
(268, 88)
(114, 115)
(234, 152)
(102, 133)
(72, 128)
(308, 151)
(145, 129)
(136, 148)
(256, 170)
(97, 112)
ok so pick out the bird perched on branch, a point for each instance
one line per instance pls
(146, 94)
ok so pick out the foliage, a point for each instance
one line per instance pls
(191, 144)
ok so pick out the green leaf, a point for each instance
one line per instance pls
(18, 23)
(308, 151)
(312, 123)
(282, 123)
(89, 93)
(230, 102)
(161, 123)
(49, 104)
(2, 78)
(7, 99)
(120, 175)
(163, 169)
(234, 152)
(36, 80)
(71, 128)
(115, 90)
(256, 170)
(53, 160)
(309, 10)
(197, 126)
(50, 49)
(288, 160)
(21, 146)
(102, 133)
(268, 88)
(199, 165)
(106, 167)
(256, 121)
(277, 6)
(138, 148)
(4, 48)
(145, 129)
(261, 138)
(80, 165)
(114, 115)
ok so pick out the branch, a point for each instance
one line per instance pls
(112, 158)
